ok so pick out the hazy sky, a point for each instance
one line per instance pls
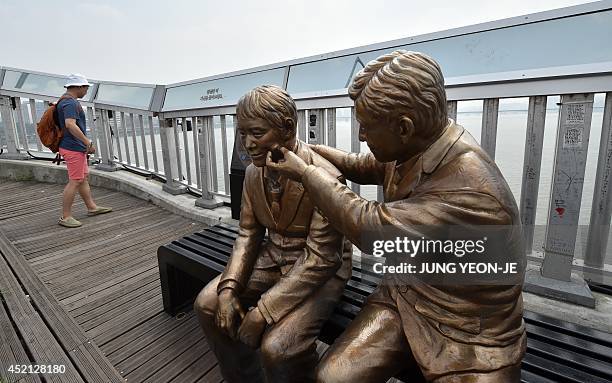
(162, 42)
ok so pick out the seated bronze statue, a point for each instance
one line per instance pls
(434, 175)
(293, 279)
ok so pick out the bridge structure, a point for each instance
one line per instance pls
(557, 63)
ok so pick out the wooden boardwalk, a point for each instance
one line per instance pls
(105, 276)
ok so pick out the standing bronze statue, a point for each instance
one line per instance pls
(434, 174)
(294, 278)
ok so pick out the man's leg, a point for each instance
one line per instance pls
(238, 362)
(76, 164)
(85, 192)
(288, 348)
(68, 197)
(372, 349)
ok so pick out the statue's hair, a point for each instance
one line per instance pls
(270, 103)
(403, 83)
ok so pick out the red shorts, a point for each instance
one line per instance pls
(76, 162)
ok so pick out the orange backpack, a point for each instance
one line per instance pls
(49, 129)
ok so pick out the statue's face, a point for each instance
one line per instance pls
(382, 136)
(258, 138)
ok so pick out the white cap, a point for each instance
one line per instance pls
(76, 79)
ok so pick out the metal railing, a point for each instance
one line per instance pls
(193, 148)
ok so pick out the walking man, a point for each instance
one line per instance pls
(74, 148)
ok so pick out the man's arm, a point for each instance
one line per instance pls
(72, 127)
(320, 261)
(362, 168)
(356, 217)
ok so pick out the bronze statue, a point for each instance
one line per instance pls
(294, 278)
(434, 174)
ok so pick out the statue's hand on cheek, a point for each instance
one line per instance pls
(229, 313)
(252, 328)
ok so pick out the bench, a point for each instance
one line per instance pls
(557, 351)
(37, 333)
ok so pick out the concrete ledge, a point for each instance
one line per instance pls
(123, 181)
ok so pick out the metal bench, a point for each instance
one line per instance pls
(557, 351)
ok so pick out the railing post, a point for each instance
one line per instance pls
(21, 125)
(315, 127)
(355, 145)
(599, 228)
(452, 110)
(301, 133)
(166, 131)
(106, 154)
(207, 201)
(555, 278)
(488, 135)
(534, 140)
(331, 127)
(10, 133)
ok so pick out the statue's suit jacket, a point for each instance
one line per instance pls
(301, 242)
(453, 182)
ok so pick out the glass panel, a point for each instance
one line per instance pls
(124, 95)
(224, 91)
(36, 84)
(501, 50)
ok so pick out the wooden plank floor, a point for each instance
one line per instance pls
(105, 276)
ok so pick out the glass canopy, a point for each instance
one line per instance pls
(223, 91)
(125, 95)
(36, 84)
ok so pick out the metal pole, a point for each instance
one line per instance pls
(488, 135)
(9, 130)
(207, 200)
(167, 134)
(34, 116)
(599, 228)
(452, 110)
(226, 180)
(355, 146)
(331, 127)
(555, 278)
(536, 117)
(106, 147)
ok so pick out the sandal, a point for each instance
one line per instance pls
(99, 210)
(69, 222)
